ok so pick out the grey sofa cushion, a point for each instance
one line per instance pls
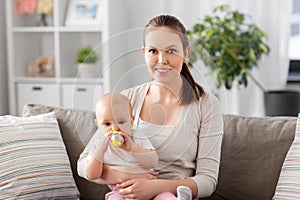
(77, 127)
(253, 151)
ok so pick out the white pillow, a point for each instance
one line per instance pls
(288, 186)
(33, 159)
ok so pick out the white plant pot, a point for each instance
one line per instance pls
(87, 70)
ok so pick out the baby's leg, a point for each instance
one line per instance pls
(165, 196)
(113, 195)
(184, 193)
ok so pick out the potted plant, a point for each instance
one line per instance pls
(228, 45)
(231, 46)
(86, 62)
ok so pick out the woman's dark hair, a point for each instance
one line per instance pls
(191, 89)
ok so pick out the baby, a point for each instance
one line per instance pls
(134, 152)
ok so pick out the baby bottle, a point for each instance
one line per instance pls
(116, 138)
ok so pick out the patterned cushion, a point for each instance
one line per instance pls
(77, 128)
(33, 160)
(288, 186)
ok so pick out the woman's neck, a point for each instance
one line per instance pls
(162, 103)
(167, 90)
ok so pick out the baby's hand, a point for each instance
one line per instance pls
(104, 143)
(99, 147)
(127, 144)
(108, 134)
(106, 140)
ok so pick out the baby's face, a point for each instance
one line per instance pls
(114, 117)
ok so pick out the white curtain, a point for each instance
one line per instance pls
(273, 18)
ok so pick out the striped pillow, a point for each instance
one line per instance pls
(33, 159)
(288, 186)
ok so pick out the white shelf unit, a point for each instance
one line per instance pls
(26, 42)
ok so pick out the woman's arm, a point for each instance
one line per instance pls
(209, 145)
(146, 157)
(135, 188)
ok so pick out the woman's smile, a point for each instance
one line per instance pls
(161, 71)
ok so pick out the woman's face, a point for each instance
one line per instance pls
(164, 54)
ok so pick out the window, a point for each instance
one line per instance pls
(294, 44)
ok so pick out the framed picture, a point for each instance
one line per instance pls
(83, 12)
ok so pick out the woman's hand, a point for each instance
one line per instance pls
(138, 189)
(142, 189)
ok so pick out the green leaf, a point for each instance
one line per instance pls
(252, 55)
(264, 48)
(218, 81)
(208, 20)
(209, 33)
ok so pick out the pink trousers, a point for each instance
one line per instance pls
(114, 195)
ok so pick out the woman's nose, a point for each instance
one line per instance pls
(162, 58)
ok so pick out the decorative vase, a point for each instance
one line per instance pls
(87, 70)
(42, 20)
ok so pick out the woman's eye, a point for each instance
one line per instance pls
(172, 51)
(153, 51)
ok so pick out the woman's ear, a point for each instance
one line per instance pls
(143, 50)
(187, 51)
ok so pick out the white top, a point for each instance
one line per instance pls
(190, 148)
(118, 157)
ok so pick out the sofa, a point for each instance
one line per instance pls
(253, 151)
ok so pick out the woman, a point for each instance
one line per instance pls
(183, 122)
